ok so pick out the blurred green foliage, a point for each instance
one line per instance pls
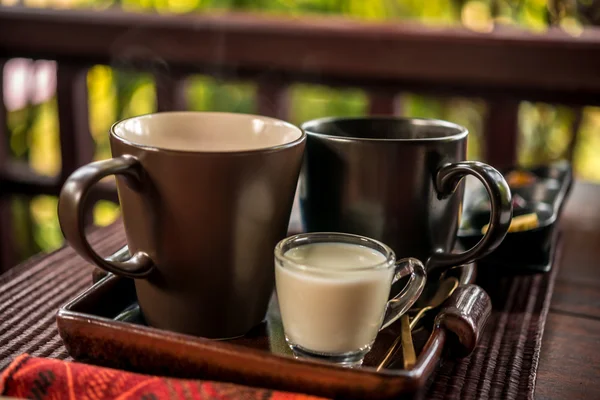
(545, 130)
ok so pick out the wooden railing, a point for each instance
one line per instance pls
(501, 67)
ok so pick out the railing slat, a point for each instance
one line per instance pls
(575, 133)
(8, 256)
(4, 139)
(383, 102)
(170, 93)
(19, 178)
(501, 131)
(76, 143)
(272, 98)
(553, 65)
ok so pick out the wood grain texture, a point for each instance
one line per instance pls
(581, 227)
(570, 360)
(582, 211)
(576, 298)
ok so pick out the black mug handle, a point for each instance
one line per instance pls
(446, 180)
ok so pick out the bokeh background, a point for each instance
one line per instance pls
(30, 86)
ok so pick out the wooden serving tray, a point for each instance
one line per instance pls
(103, 326)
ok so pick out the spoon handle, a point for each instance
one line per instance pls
(406, 338)
(418, 317)
(465, 314)
(390, 353)
(408, 348)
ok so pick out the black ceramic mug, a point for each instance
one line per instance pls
(397, 180)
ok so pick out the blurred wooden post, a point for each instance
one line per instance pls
(272, 98)
(76, 143)
(383, 102)
(501, 131)
(4, 139)
(8, 254)
(170, 93)
(575, 133)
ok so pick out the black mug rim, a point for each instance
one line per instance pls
(461, 131)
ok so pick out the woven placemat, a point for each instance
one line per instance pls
(505, 362)
(503, 366)
(31, 293)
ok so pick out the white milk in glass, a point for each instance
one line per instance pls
(333, 306)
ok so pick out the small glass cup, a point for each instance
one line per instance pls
(333, 296)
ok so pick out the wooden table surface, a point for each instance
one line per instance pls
(570, 358)
(569, 366)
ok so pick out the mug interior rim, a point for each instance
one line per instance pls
(334, 237)
(265, 149)
(462, 132)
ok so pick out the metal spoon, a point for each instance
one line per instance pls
(446, 288)
(408, 348)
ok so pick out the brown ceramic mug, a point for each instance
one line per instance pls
(205, 197)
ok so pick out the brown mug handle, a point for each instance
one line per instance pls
(447, 179)
(71, 213)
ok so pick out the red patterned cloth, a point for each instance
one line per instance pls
(43, 378)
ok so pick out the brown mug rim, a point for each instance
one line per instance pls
(261, 150)
(462, 131)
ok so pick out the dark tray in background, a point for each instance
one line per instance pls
(528, 251)
(104, 326)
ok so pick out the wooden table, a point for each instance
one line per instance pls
(569, 367)
(570, 358)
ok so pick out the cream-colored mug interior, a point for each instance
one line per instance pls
(206, 131)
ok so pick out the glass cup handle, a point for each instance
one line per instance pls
(409, 294)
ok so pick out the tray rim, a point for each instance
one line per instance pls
(566, 181)
(388, 382)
